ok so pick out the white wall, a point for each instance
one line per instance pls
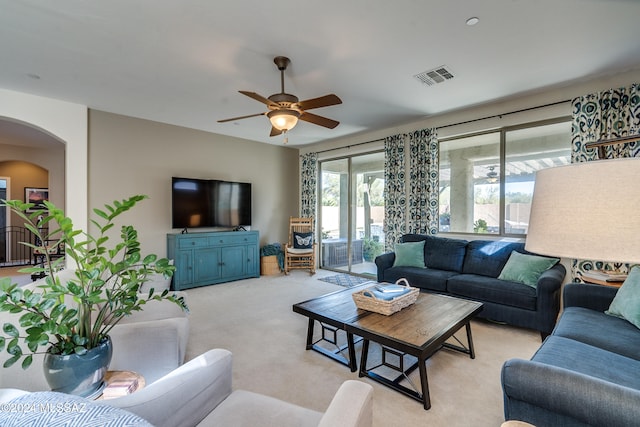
(129, 156)
(50, 158)
(66, 122)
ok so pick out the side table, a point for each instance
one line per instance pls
(120, 378)
(602, 282)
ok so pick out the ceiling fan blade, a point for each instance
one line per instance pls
(241, 117)
(275, 131)
(323, 101)
(318, 120)
(259, 98)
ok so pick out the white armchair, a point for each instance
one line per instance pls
(199, 393)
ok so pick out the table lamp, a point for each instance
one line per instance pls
(587, 211)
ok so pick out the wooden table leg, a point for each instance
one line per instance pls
(363, 358)
(426, 398)
(472, 352)
(310, 334)
(353, 364)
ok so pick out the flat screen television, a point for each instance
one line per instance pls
(197, 203)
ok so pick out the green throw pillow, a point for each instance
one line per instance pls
(410, 254)
(523, 268)
(626, 303)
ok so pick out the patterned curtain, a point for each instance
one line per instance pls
(394, 189)
(308, 184)
(605, 115)
(423, 179)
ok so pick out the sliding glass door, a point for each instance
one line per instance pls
(352, 213)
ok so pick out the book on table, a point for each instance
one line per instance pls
(386, 292)
(390, 288)
(120, 387)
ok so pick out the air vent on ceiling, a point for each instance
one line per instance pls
(437, 75)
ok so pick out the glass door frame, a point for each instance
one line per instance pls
(338, 269)
(351, 195)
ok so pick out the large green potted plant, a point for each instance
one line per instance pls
(371, 248)
(70, 319)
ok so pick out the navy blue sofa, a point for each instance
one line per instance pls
(587, 373)
(469, 269)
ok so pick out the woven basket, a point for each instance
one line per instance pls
(371, 303)
(269, 265)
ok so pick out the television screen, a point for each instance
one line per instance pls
(210, 203)
(232, 206)
(190, 203)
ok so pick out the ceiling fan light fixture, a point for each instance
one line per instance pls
(283, 119)
(492, 176)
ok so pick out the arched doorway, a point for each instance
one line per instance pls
(24, 181)
(66, 123)
(31, 162)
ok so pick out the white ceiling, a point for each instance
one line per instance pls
(183, 62)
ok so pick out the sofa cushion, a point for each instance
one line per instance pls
(440, 253)
(488, 257)
(247, 409)
(626, 303)
(524, 268)
(444, 254)
(483, 288)
(589, 360)
(424, 278)
(410, 254)
(599, 330)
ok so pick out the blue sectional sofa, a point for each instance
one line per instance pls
(470, 269)
(587, 373)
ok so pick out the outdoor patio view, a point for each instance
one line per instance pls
(352, 213)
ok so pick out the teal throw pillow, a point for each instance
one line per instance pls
(526, 269)
(410, 254)
(626, 303)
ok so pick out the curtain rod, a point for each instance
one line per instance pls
(551, 104)
(349, 146)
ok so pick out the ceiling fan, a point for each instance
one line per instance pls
(285, 109)
(492, 175)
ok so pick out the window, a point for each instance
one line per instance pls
(487, 179)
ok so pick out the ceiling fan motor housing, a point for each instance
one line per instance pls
(283, 99)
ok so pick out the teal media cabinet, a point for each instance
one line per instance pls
(208, 258)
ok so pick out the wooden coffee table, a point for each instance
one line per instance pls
(419, 330)
(334, 312)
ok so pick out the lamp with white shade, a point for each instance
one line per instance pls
(587, 211)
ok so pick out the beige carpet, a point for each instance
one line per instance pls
(16, 277)
(254, 319)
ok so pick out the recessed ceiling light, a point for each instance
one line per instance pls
(472, 21)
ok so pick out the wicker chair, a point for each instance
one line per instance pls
(300, 251)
